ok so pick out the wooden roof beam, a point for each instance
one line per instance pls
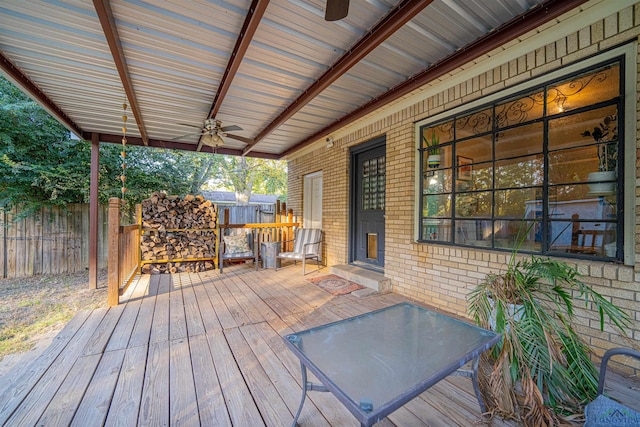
(518, 26)
(105, 15)
(392, 22)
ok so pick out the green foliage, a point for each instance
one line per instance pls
(250, 175)
(540, 346)
(42, 165)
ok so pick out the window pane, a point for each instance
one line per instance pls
(436, 205)
(478, 176)
(473, 205)
(442, 131)
(516, 203)
(584, 90)
(474, 123)
(474, 233)
(520, 141)
(520, 172)
(571, 131)
(519, 110)
(565, 201)
(573, 165)
(525, 235)
(437, 181)
(436, 229)
(476, 150)
(584, 238)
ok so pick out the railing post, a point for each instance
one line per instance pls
(113, 277)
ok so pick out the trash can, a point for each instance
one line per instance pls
(269, 253)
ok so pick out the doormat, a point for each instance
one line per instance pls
(335, 285)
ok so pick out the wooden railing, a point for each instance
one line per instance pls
(124, 256)
(280, 231)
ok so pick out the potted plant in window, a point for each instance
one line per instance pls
(541, 369)
(606, 135)
(433, 150)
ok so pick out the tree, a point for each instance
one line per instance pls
(244, 175)
(42, 165)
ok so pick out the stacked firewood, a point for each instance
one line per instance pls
(177, 229)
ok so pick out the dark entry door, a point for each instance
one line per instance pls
(368, 203)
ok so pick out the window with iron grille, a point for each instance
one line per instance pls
(540, 170)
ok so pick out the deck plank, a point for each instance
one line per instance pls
(63, 406)
(256, 337)
(18, 383)
(177, 316)
(125, 405)
(227, 321)
(242, 409)
(211, 404)
(235, 308)
(160, 326)
(95, 403)
(103, 332)
(34, 404)
(266, 396)
(182, 398)
(193, 316)
(208, 314)
(154, 404)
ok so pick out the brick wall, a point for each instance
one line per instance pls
(443, 275)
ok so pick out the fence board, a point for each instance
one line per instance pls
(54, 241)
(249, 214)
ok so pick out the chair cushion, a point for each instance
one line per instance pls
(236, 244)
(238, 255)
(295, 255)
(605, 412)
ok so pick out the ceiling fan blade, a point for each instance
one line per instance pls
(336, 10)
(191, 126)
(230, 128)
(240, 138)
(184, 136)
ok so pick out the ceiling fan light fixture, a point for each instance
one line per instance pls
(212, 139)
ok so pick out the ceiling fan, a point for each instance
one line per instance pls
(336, 10)
(213, 131)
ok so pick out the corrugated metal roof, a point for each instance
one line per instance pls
(177, 51)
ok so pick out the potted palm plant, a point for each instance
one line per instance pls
(433, 150)
(606, 135)
(541, 369)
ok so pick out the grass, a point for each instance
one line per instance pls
(33, 307)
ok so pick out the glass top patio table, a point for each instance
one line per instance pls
(376, 362)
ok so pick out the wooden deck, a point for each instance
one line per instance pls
(204, 349)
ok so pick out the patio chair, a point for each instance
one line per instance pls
(238, 245)
(604, 411)
(307, 244)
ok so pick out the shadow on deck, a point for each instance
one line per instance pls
(204, 349)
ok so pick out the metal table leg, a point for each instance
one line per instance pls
(473, 374)
(304, 394)
(306, 386)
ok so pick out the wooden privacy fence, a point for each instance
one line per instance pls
(54, 241)
(251, 214)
